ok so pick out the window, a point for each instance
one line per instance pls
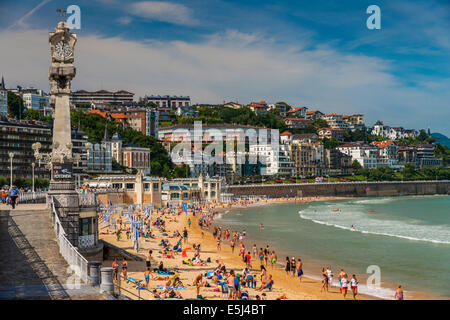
(155, 186)
(84, 226)
(174, 196)
(185, 195)
(130, 186)
(146, 186)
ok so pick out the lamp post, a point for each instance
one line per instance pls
(11, 156)
(32, 165)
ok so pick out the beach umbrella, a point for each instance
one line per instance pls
(183, 254)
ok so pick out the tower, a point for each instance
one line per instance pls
(62, 184)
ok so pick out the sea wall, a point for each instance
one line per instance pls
(355, 189)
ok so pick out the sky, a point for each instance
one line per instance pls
(318, 54)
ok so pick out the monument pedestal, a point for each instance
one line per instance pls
(67, 207)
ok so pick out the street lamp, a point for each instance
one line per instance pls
(11, 156)
(32, 165)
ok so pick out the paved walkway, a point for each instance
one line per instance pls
(31, 266)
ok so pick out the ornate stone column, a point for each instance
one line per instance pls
(62, 185)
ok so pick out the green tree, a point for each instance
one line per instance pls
(356, 165)
(15, 106)
(330, 143)
(182, 171)
(32, 114)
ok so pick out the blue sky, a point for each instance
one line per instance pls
(314, 53)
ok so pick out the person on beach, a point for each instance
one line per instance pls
(219, 247)
(147, 277)
(185, 235)
(231, 287)
(273, 259)
(324, 282)
(354, 286)
(248, 259)
(263, 275)
(288, 266)
(398, 293)
(147, 261)
(189, 223)
(125, 268)
(232, 246)
(261, 226)
(344, 285)
(293, 266)
(330, 276)
(299, 269)
(115, 266)
(198, 283)
(255, 250)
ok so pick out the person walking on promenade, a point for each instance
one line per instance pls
(13, 194)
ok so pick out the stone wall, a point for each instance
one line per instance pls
(356, 189)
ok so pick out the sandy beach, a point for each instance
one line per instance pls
(287, 285)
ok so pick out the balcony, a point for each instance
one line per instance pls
(86, 241)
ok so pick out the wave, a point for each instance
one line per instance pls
(414, 238)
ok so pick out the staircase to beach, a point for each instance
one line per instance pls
(31, 266)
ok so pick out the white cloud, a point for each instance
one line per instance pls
(124, 20)
(234, 66)
(164, 11)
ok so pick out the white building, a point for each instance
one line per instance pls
(169, 101)
(336, 121)
(387, 153)
(365, 154)
(392, 133)
(275, 160)
(38, 101)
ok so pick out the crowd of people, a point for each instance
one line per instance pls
(9, 196)
(254, 281)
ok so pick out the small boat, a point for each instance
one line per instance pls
(335, 210)
(371, 210)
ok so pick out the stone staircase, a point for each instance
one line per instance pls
(31, 266)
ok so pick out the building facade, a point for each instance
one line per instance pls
(101, 96)
(17, 138)
(167, 101)
(308, 158)
(365, 154)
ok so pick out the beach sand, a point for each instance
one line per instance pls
(308, 289)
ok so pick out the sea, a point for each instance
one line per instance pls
(384, 241)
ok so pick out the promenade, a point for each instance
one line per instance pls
(31, 265)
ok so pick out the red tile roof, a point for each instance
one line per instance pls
(296, 119)
(382, 144)
(286, 133)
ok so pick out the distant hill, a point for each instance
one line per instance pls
(441, 139)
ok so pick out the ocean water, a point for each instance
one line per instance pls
(407, 238)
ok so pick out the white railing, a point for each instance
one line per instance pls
(31, 196)
(71, 254)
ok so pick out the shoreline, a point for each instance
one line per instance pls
(309, 289)
(317, 264)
